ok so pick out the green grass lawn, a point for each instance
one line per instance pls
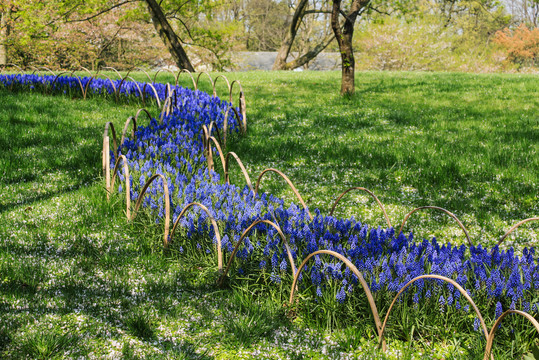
(77, 281)
(465, 142)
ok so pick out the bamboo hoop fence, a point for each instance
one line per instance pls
(121, 160)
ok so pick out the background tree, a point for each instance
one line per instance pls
(314, 37)
(5, 24)
(344, 33)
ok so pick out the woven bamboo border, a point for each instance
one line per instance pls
(244, 235)
(514, 227)
(441, 209)
(214, 225)
(167, 204)
(367, 191)
(156, 96)
(290, 184)
(492, 334)
(357, 273)
(115, 71)
(141, 94)
(79, 81)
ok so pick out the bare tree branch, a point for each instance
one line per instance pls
(102, 11)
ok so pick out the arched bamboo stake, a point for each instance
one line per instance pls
(244, 235)
(437, 277)
(245, 174)
(167, 204)
(122, 82)
(20, 70)
(129, 120)
(441, 209)
(41, 72)
(289, 184)
(127, 183)
(215, 83)
(367, 191)
(162, 70)
(195, 83)
(138, 88)
(515, 227)
(145, 72)
(213, 127)
(357, 273)
(113, 69)
(221, 155)
(80, 83)
(168, 91)
(56, 78)
(143, 110)
(91, 76)
(165, 111)
(156, 96)
(208, 76)
(42, 68)
(215, 229)
(173, 95)
(205, 145)
(225, 122)
(110, 80)
(490, 338)
(242, 104)
(106, 151)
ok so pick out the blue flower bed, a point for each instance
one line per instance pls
(496, 279)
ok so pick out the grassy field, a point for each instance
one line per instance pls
(77, 281)
(464, 142)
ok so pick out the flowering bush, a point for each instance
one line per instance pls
(520, 44)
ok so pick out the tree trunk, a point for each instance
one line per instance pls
(344, 37)
(169, 37)
(4, 34)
